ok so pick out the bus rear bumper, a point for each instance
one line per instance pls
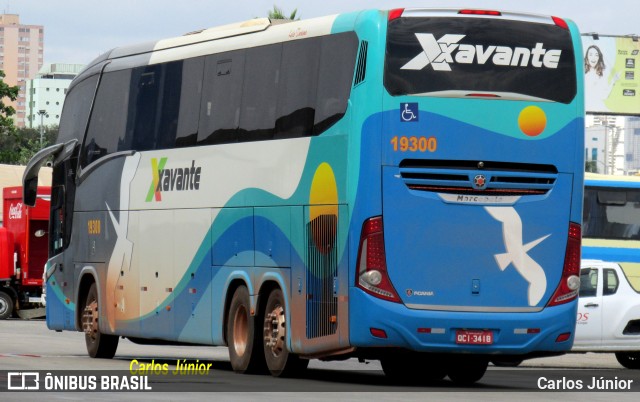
(436, 331)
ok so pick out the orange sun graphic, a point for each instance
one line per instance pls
(532, 121)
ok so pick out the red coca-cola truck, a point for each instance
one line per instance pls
(23, 253)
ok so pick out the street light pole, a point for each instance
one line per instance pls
(41, 113)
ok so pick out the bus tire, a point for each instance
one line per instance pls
(280, 362)
(99, 345)
(630, 360)
(467, 370)
(6, 305)
(245, 353)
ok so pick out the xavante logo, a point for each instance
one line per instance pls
(440, 53)
(172, 179)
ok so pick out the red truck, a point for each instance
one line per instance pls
(23, 253)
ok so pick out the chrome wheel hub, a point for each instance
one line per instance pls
(90, 319)
(3, 306)
(274, 331)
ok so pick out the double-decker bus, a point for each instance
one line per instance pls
(611, 222)
(399, 185)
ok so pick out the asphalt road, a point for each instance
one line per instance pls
(28, 346)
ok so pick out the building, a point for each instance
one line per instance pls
(594, 143)
(632, 146)
(46, 92)
(613, 144)
(21, 57)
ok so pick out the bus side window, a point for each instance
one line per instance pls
(190, 97)
(297, 88)
(221, 98)
(337, 63)
(260, 93)
(106, 133)
(56, 225)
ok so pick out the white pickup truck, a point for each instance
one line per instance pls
(609, 312)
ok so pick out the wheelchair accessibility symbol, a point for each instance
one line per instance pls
(409, 112)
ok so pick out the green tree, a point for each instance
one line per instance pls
(278, 14)
(591, 166)
(18, 146)
(6, 111)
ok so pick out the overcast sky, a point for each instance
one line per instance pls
(76, 31)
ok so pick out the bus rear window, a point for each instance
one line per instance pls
(440, 56)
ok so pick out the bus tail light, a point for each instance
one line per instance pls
(395, 14)
(560, 22)
(372, 262)
(570, 281)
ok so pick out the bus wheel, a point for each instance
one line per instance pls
(280, 362)
(466, 370)
(403, 369)
(6, 305)
(244, 345)
(99, 345)
(630, 360)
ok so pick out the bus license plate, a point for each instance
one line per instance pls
(474, 337)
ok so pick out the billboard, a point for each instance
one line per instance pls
(611, 74)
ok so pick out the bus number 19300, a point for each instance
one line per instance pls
(414, 144)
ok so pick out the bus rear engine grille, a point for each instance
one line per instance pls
(520, 180)
(467, 191)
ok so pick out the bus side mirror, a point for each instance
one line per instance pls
(30, 176)
(30, 191)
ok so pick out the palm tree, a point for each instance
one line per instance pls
(278, 14)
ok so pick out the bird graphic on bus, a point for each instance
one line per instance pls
(517, 251)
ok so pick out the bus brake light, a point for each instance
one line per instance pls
(372, 265)
(480, 12)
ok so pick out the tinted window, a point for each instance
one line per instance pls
(142, 126)
(259, 93)
(146, 108)
(190, 96)
(479, 54)
(337, 63)
(106, 132)
(75, 113)
(162, 105)
(611, 213)
(298, 87)
(221, 95)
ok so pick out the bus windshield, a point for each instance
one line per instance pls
(440, 56)
(611, 213)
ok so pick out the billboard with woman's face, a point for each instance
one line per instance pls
(611, 74)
